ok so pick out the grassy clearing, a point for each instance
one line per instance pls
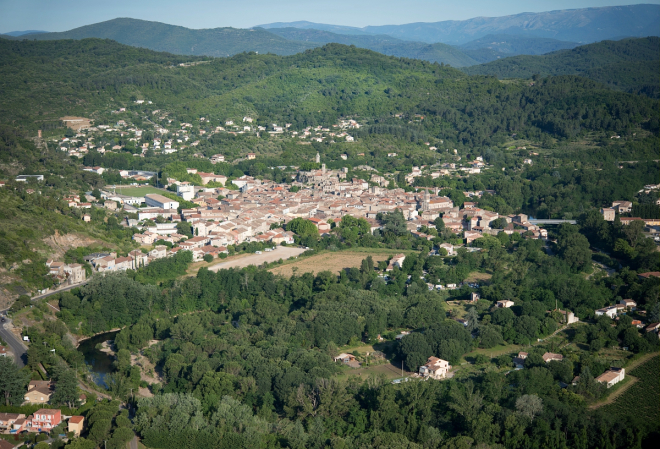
(476, 276)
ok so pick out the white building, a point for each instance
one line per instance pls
(435, 368)
(155, 200)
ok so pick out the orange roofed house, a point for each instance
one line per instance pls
(435, 368)
(76, 425)
(44, 420)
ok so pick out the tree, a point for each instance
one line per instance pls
(415, 350)
(66, 388)
(12, 381)
(208, 258)
(395, 223)
(302, 227)
(529, 405)
(184, 228)
(573, 247)
(439, 224)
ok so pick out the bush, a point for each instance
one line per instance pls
(208, 258)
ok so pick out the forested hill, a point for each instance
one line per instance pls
(631, 65)
(180, 40)
(41, 81)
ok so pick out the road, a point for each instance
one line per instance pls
(17, 347)
(282, 252)
(551, 221)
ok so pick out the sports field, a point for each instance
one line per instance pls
(135, 191)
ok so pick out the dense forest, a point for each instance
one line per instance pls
(630, 65)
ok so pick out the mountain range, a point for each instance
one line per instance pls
(581, 25)
(476, 41)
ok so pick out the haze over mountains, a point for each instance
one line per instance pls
(475, 41)
(581, 25)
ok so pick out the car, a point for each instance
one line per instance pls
(257, 252)
(2, 320)
(268, 250)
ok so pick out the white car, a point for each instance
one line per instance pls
(257, 252)
(268, 250)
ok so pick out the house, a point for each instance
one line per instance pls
(76, 425)
(449, 248)
(5, 444)
(396, 261)
(217, 158)
(471, 236)
(7, 421)
(610, 311)
(622, 206)
(637, 323)
(612, 376)
(474, 297)
(653, 327)
(551, 357)
(39, 391)
(504, 303)
(211, 177)
(650, 274)
(251, 156)
(348, 359)
(519, 361)
(435, 368)
(3, 353)
(44, 419)
(569, 317)
(608, 213)
(629, 303)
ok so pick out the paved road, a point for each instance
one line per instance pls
(282, 252)
(17, 347)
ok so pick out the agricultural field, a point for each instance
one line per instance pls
(334, 261)
(641, 401)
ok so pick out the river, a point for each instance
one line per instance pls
(99, 362)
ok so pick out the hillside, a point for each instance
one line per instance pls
(314, 87)
(384, 44)
(631, 65)
(180, 40)
(580, 25)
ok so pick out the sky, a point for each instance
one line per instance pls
(62, 15)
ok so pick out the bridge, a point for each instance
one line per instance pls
(550, 221)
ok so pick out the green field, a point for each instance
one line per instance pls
(138, 191)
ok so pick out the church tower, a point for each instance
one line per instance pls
(426, 204)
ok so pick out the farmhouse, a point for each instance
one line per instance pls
(612, 376)
(435, 368)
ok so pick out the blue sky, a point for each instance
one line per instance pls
(62, 15)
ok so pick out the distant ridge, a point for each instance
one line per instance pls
(579, 25)
(180, 40)
(21, 33)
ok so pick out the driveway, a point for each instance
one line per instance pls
(282, 252)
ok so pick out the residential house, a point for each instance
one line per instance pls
(622, 206)
(650, 274)
(435, 368)
(612, 376)
(569, 317)
(7, 421)
(519, 361)
(653, 327)
(505, 303)
(608, 213)
(39, 391)
(551, 357)
(3, 353)
(76, 424)
(396, 261)
(43, 420)
(610, 311)
(629, 303)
